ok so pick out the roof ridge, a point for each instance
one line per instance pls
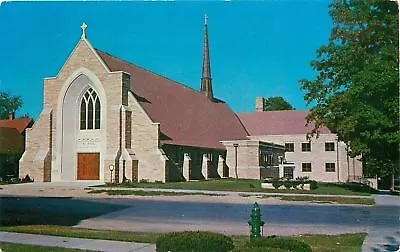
(145, 69)
(273, 111)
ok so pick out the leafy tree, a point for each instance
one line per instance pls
(356, 90)
(8, 103)
(277, 103)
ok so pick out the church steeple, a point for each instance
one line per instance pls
(206, 85)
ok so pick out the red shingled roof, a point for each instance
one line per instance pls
(285, 122)
(186, 116)
(19, 124)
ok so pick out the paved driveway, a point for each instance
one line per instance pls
(384, 225)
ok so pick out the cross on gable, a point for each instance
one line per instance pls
(83, 27)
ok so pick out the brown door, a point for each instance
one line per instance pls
(88, 166)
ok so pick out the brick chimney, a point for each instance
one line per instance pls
(260, 104)
(11, 116)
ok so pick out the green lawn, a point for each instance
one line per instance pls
(319, 243)
(148, 193)
(340, 200)
(249, 185)
(11, 247)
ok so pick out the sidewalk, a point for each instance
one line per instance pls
(76, 243)
(383, 239)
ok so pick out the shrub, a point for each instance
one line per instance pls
(27, 179)
(287, 184)
(261, 249)
(281, 243)
(313, 184)
(194, 241)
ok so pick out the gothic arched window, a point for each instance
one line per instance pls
(90, 110)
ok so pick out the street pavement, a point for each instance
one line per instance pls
(226, 214)
(230, 219)
(384, 225)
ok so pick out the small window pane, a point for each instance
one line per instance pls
(306, 167)
(330, 167)
(97, 115)
(306, 147)
(90, 115)
(330, 146)
(289, 147)
(83, 115)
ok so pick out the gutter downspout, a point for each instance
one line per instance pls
(337, 159)
(236, 160)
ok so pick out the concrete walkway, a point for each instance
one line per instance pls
(76, 243)
(383, 239)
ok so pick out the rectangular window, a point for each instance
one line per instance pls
(306, 147)
(269, 159)
(330, 146)
(289, 147)
(128, 129)
(306, 167)
(330, 167)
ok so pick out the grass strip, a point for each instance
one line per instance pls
(83, 233)
(319, 243)
(149, 193)
(249, 185)
(339, 200)
(13, 247)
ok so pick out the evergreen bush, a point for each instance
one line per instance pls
(194, 241)
(288, 244)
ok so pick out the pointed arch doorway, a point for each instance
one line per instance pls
(83, 138)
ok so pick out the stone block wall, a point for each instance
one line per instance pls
(37, 155)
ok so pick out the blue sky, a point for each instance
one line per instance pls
(257, 48)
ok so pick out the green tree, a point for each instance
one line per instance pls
(8, 103)
(277, 103)
(356, 90)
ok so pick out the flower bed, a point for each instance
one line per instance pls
(285, 184)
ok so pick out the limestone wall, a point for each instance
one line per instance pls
(247, 159)
(37, 149)
(145, 143)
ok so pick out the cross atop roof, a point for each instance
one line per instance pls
(83, 27)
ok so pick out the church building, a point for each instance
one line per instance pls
(105, 119)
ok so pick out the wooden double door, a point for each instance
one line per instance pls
(88, 166)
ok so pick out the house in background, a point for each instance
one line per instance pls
(322, 159)
(12, 144)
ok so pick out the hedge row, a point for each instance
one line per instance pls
(194, 241)
(189, 241)
(279, 243)
(288, 184)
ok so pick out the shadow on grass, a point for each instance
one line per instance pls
(357, 187)
(50, 210)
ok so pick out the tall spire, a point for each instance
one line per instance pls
(206, 85)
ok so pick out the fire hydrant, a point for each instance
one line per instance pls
(255, 222)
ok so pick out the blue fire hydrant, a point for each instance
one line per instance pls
(255, 222)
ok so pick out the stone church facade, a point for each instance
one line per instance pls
(106, 119)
